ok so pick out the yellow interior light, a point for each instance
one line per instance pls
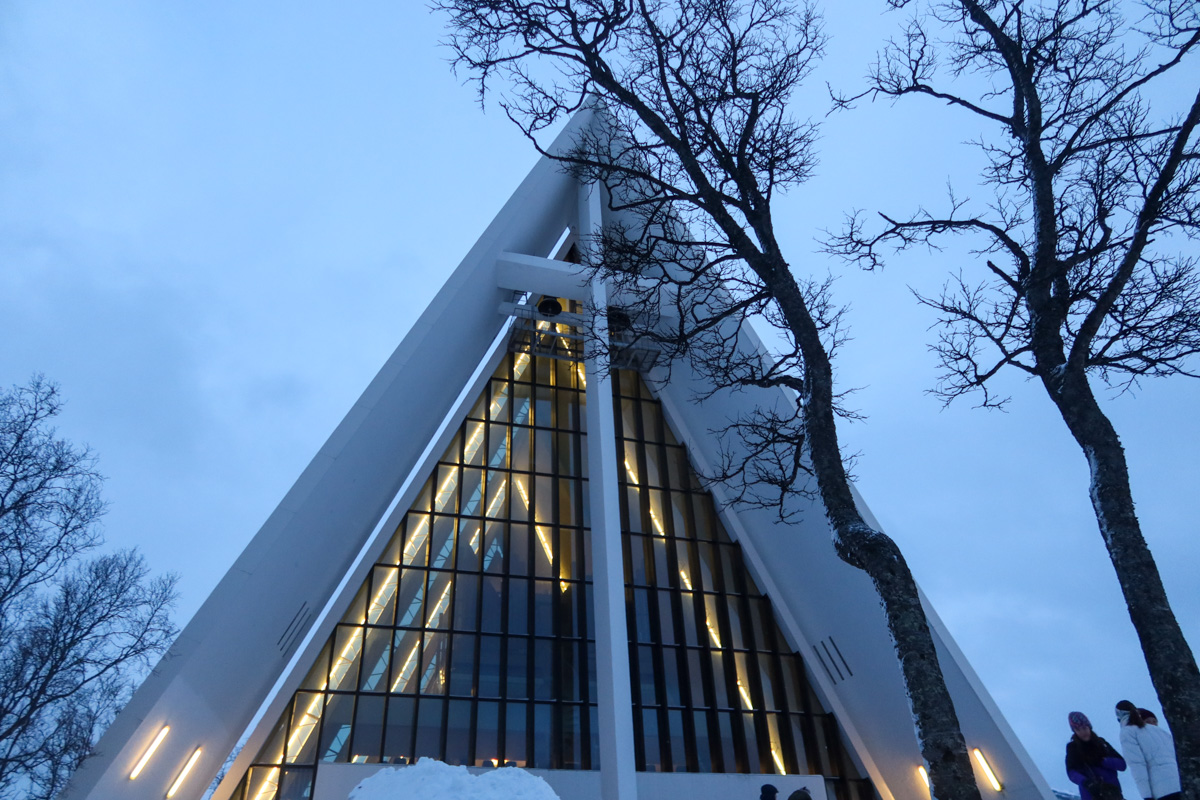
(925, 776)
(141, 764)
(987, 769)
(745, 695)
(778, 760)
(191, 762)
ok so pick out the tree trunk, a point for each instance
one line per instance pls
(1169, 659)
(858, 544)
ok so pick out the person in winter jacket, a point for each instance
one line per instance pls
(1092, 763)
(1151, 754)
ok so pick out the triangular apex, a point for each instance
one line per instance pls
(689, 669)
(472, 638)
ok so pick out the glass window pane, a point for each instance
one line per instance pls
(441, 585)
(545, 596)
(515, 734)
(368, 729)
(543, 551)
(466, 602)
(458, 732)
(491, 604)
(543, 736)
(377, 649)
(568, 554)
(347, 648)
(543, 500)
(566, 453)
(472, 487)
(670, 657)
(651, 746)
(666, 618)
(543, 669)
(416, 541)
(445, 494)
(773, 699)
(441, 544)
(703, 750)
(696, 679)
(470, 543)
(381, 609)
(272, 752)
(521, 449)
(646, 686)
(679, 748)
(305, 719)
(568, 502)
(543, 399)
(497, 495)
(262, 782)
(654, 467)
(517, 668)
(570, 737)
(569, 672)
(335, 728)
(487, 734)
(296, 783)
(489, 666)
(543, 459)
(497, 446)
(518, 606)
(518, 552)
(779, 756)
(498, 409)
(637, 560)
(462, 669)
(753, 757)
(429, 727)
(434, 658)
(473, 445)
(522, 405)
(493, 547)
(319, 674)
(728, 745)
(406, 656)
(411, 597)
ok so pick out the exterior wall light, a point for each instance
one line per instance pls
(924, 773)
(191, 762)
(987, 769)
(141, 764)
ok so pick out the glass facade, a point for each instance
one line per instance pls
(472, 639)
(716, 688)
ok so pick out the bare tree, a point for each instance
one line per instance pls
(1093, 191)
(695, 140)
(73, 627)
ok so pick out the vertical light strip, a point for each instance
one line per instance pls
(141, 764)
(925, 777)
(191, 762)
(987, 769)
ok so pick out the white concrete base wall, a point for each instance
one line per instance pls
(336, 781)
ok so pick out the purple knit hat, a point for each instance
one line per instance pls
(1077, 720)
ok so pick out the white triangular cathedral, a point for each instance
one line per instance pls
(502, 556)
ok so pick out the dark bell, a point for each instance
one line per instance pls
(549, 307)
(618, 320)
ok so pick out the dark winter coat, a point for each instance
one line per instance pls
(1094, 759)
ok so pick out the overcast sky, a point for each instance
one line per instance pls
(217, 220)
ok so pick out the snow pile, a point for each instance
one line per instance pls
(434, 780)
